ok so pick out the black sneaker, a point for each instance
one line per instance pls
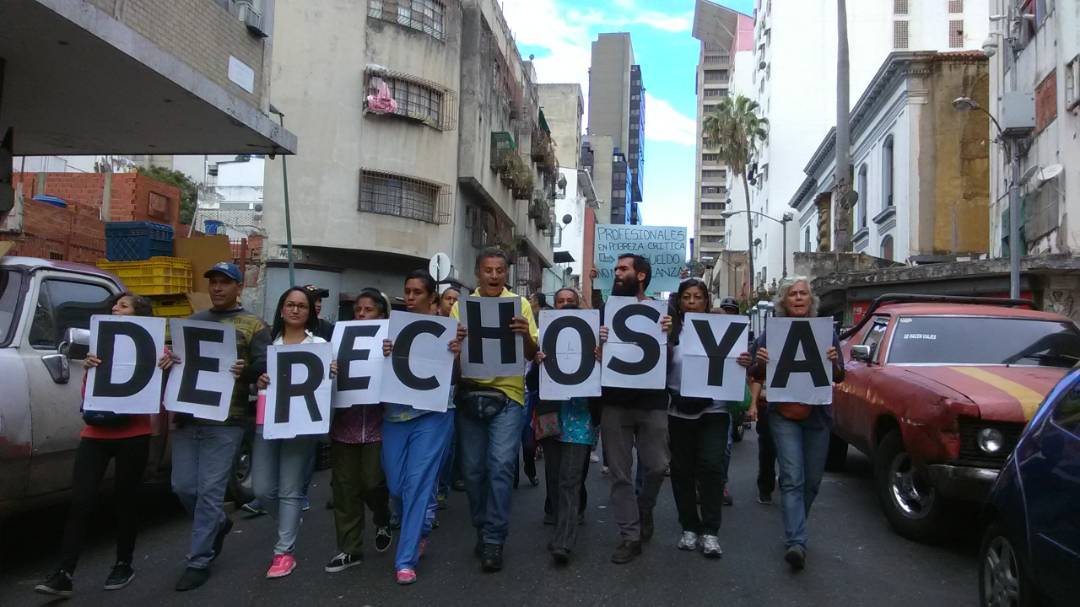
(492, 560)
(343, 561)
(458, 485)
(796, 557)
(395, 521)
(219, 539)
(57, 584)
(383, 537)
(254, 509)
(764, 499)
(192, 579)
(626, 552)
(549, 518)
(561, 556)
(647, 526)
(120, 576)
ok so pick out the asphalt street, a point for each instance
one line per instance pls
(854, 558)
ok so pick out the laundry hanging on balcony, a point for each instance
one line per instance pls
(381, 102)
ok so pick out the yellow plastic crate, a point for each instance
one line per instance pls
(154, 276)
(171, 306)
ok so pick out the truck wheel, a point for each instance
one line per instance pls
(911, 504)
(837, 457)
(1003, 577)
(241, 489)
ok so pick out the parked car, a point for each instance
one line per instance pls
(1030, 550)
(938, 390)
(41, 302)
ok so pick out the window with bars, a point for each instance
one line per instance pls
(716, 75)
(714, 174)
(716, 92)
(956, 33)
(713, 206)
(900, 7)
(956, 6)
(712, 223)
(390, 194)
(900, 34)
(417, 100)
(712, 190)
(427, 16)
(710, 158)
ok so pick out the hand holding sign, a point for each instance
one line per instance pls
(125, 379)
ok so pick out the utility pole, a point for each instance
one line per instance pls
(288, 219)
(842, 172)
(1012, 148)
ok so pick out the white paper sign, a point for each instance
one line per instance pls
(357, 347)
(798, 371)
(635, 354)
(710, 345)
(568, 339)
(128, 379)
(490, 349)
(200, 383)
(417, 372)
(298, 397)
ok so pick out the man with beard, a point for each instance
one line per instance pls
(634, 418)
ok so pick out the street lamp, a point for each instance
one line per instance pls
(288, 222)
(1012, 150)
(783, 221)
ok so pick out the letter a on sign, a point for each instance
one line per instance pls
(201, 383)
(417, 373)
(298, 397)
(491, 348)
(635, 355)
(128, 379)
(568, 340)
(798, 370)
(358, 350)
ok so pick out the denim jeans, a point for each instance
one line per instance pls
(801, 450)
(279, 469)
(446, 470)
(488, 450)
(202, 460)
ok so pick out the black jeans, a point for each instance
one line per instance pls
(698, 451)
(91, 459)
(552, 465)
(572, 461)
(766, 453)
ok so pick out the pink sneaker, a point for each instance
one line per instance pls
(422, 548)
(281, 566)
(406, 577)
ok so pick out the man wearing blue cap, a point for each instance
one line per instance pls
(203, 451)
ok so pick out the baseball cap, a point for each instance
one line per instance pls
(729, 303)
(229, 270)
(316, 292)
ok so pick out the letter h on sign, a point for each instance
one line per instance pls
(491, 348)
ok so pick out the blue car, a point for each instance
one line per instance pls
(1030, 552)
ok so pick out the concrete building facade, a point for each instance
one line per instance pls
(795, 82)
(921, 169)
(422, 135)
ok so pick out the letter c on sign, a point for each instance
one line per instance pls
(400, 355)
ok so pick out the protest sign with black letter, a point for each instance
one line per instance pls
(128, 379)
(357, 345)
(298, 397)
(568, 339)
(418, 371)
(635, 354)
(711, 344)
(491, 348)
(200, 383)
(798, 370)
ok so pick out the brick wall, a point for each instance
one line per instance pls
(77, 233)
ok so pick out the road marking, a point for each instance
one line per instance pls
(1029, 399)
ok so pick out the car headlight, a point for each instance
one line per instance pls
(991, 441)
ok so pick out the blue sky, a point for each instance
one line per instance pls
(559, 33)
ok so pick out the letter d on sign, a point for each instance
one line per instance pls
(145, 360)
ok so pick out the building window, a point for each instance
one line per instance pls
(716, 92)
(900, 35)
(390, 194)
(864, 194)
(900, 7)
(887, 174)
(713, 206)
(712, 223)
(806, 240)
(956, 33)
(716, 75)
(424, 15)
(712, 190)
(714, 175)
(710, 158)
(887, 247)
(415, 99)
(956, 6)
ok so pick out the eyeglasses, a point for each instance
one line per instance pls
(295, 306)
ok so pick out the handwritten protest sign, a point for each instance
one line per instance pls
(664, 247)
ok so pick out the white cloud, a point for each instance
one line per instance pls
(664, 123)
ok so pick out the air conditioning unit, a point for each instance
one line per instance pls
(245, 10)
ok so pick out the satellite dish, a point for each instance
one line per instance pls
(440, 267)
(1048, 173)
(1028, 174)
(566, 219)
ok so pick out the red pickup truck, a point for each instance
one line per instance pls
(938, 390)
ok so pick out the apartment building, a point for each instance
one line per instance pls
(794, 82)
(423, 135)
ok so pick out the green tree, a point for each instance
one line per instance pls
(733, 132)
(189, 190)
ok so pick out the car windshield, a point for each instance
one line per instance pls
(981, 340)
(10, 286)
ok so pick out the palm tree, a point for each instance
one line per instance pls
(734, 131)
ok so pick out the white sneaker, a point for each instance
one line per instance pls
(594, 458)
(710, 547)
(688, 541)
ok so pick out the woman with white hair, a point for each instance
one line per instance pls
(801, 431)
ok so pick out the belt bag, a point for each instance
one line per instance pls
(105, 419)
(481, 404)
